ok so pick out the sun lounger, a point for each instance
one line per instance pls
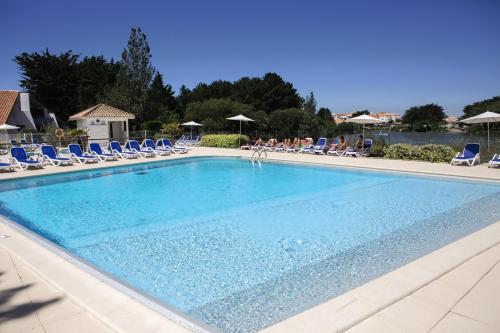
(6, 165)
(20, 159)
(96, 150)
(50, 155)
(116, 148)
(166, 144)
(320, 146)
(470, 155)
(77, 154)
(495, 161)
(365, 151)
(159, 151)
(134, 146)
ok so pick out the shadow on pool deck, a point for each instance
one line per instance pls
(9, 310)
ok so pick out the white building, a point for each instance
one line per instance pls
(103, 122)
(18, 109)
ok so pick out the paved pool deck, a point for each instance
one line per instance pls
(454, 289)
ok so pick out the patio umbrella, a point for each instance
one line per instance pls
(364, 119)
(240, 118)
(6, 127)
(486, 117)
(191, 124)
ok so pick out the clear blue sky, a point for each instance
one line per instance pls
(379, 55)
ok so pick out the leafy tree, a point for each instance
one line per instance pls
(212, 113)
(135, 75)
(277, 94)
(310, 104)
(425, 117)
(325, 114)
(152, 125)
(287, 122)
(491, 104)
(361, 112)
(51, 79)
(471, 110)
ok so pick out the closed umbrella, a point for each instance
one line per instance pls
(364, 119)
(240, 118)
(486, 117)
(191, 124)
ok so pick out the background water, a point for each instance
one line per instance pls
(241, 247)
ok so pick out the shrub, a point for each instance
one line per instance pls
(430, 153)
(171, 130)
(223, 140)
(401, 151)
(435, 153)
(377, 149)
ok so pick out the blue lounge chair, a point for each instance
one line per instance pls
(6, 165)
(495, 161)
(20, 159)
(159, 151)
(307, 149)
(96, 150)
(77, 154)
(166, 144)
(134, 146)
(470, 155)
(320, 146)
(195, 141)
(181, 141)
(49, 154)
(116, 148)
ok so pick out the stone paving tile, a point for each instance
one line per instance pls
(80, 323)
(454, 323)
(482, 303)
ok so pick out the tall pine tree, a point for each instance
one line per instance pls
(160, 103)
(310, 104)
(134, 78)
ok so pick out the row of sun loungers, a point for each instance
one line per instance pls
(131, 150)
(188, 140)
(321, 148)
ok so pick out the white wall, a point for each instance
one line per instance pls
(99, 130)
(21, 114)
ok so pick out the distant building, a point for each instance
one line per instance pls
(103, 122)
(451, 122)
(386, 117)
(19, 109)
(383, 116)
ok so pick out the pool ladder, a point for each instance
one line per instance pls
(258, 156)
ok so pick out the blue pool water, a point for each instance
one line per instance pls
(241, 247)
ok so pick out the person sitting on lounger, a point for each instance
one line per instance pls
(359, 143)
(340, 144)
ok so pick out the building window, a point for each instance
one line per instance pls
(124, 126)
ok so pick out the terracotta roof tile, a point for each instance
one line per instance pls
(101, 111)
(7, 101)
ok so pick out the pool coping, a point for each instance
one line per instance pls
(337, 314)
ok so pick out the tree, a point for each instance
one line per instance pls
(182, 100)
(135, 75)
(310, 104)
(360, 113)
(95, 76)
(212, 113)
(160, 101)
(325, 114)
(52, 80)
(471, 110)
(425, 117)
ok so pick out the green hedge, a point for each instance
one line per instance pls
(429, 153)
(223, 140)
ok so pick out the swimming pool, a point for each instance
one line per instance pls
(241, 247)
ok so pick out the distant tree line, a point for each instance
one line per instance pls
(67, 83)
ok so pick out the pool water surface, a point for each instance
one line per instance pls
(241, 247)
